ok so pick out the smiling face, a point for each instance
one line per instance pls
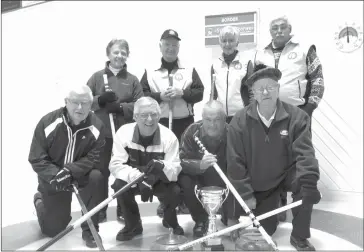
(118, 55)
(147, 119)
(78, 107)
(280, 31)
(169, 48)
(228, 43)
(213, 122)
(266, 92)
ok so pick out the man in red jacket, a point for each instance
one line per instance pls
(66, 149)
(269, 150)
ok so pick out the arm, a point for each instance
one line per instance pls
(146, 88)
(92, 84)
(314, 77)
(128, 107)
(171, 161)
(85, 164)
(118, 163)
(38, 156)
(189, 154)
(194, 93)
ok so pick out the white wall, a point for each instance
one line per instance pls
(54, 40)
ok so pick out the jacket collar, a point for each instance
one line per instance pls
(109, 74)
(179, 65)
(236, 59)
(136, 136)
(281, 113)
(293, 40)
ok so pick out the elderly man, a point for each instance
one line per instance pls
(196, 166)
(231, 73)
(66, 149)
(187, 88)
(302, 82)
(145, 146)
(269, 149)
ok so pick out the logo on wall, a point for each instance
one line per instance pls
(178, 76)
(349, 37)
(238, 66)
(292, 55)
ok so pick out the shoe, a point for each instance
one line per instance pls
(182, 209)
(128, 233)
(199, 229)
(178, 230)
(160, 210)
(301, 244)
(119, 214)
(102, 216)
(89, 239)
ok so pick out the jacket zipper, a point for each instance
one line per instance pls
(227, 91)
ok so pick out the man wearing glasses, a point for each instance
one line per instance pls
(302, 82)
(66, 149)
(269, 150)
(145, 146)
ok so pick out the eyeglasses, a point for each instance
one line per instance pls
(281, 27)
(261, 90)
(77, 103)
(145, 116)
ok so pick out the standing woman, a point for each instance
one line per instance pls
(119, 101)
(231, 73)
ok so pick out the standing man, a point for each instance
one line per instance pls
(197, 167)
(149, 147)
(302, 82)
(187, 88)
(66, 149)
(269, 150)
(119, 101)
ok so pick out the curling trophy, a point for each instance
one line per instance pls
(211, 198)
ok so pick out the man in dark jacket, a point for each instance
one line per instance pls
(269, 150)
(66, 149)
(196, 166)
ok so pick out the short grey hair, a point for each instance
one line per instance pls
(283, 18)
(229, 30)
(121, 42)
(78, 89)
(214, 105)
(143, 101)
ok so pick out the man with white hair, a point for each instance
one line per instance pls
(187, 88)
(149, 147)
(197, 167)
(65, 150)
(230, 70)
(302, 82)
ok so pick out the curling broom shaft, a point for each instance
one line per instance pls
(107, 88)
(170, 114)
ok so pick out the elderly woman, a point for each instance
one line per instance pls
(125, 89)
(230, 71)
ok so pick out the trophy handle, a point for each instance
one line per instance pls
(226, 192)
(197, 193)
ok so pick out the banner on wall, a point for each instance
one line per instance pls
(7, 6)
(246, 22)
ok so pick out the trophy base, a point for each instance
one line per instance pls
(217, 247)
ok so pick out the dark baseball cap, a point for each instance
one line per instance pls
(263, 71)
(170, 34)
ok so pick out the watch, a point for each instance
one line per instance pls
(349, 37)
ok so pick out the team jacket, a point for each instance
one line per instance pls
(56, 145)
(129, 153)
(229, 83)
(128, 90)
(156, 80)
(259, 161)
(302, 80)
(191, 155)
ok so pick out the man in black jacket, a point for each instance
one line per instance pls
(65, 150)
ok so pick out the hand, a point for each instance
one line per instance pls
(234, 235)
(114, 107)
(154, 167)
(251, 203)
(62, 180)
(310, 196)
(146, 191)
(207, 161)
(173, 92)
(309, 108)
(106, 97)
(164, 97)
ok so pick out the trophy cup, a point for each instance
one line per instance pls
(212, 197)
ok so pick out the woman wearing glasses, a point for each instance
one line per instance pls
(125, 89)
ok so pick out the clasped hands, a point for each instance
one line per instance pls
(62, 180)
(171, 93)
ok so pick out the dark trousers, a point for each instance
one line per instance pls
(188, 183)
(54, 212)
(178, 125)
(269, 200)
(105, 157)
(167, 193)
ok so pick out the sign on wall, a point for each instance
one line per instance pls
(246, 22)
(7, 6)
